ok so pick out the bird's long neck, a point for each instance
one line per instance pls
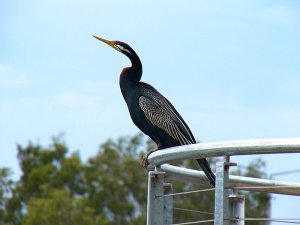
(133, 73)
(130, 76)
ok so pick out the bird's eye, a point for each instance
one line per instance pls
(120, 48)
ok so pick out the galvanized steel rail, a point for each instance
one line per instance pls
(226, 148)
(235, 182)
(226, 206)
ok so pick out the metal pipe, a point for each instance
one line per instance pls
(168, 204)
(159, 210)
(236, 210)
(222, 192)
(213, 149)
(155, 204)
(239, 182)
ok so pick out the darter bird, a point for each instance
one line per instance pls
(150, 111)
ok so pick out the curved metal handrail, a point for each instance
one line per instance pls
(235, 182)
(156, 210)
(225, 148)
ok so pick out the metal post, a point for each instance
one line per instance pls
(168, 204)
(155, 204)
(222, 192)
(237, 209)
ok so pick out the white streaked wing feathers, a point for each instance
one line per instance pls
(161, 115)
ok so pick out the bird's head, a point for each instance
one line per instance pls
(119, 46)
(130, 53)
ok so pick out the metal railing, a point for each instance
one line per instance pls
(229, 209)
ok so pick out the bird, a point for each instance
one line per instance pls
(150, 111)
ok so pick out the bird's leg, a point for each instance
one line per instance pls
(144, 160)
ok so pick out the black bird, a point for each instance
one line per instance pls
(150, 111)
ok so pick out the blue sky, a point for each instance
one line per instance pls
(230, 67)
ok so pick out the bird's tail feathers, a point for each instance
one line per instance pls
(207, 170)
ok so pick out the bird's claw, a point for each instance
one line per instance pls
(144, 160)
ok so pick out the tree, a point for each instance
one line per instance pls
(117, 184)
(60, 208)
(44, 170)
(6, 186)
(56, 187)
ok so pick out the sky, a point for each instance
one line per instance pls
(231, 68)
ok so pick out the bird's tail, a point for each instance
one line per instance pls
(207, 170)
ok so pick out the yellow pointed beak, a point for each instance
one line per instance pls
(110, 43)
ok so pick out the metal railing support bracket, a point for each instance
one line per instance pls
(168, 204)
(155, 204)
(222, 191)
(237, 209)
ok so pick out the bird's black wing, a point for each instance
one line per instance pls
(159, 111)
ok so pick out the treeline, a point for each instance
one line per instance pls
(56, 187)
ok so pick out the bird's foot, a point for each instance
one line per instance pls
(144, 160)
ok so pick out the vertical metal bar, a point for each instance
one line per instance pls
(155, 204)
(237, 209)
(168, 204)
(222, 192)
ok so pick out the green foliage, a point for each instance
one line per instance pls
(60, 208)
(109, 189)
(6, 186)
(116, 182)
(44, 171)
